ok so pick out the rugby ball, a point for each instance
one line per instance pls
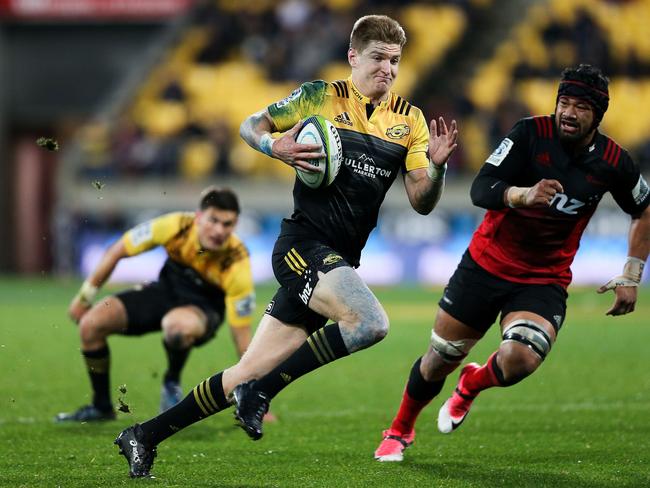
(318, 130)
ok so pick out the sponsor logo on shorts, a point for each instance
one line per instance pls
(306, 292)
(269, 307)
(398, 131)
(331, 258)
(446, 299)
(558, 320)
(640, 191)
(287, 378)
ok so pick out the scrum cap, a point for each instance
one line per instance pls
(588, 83)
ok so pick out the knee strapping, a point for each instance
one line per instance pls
(451, 351)
(530, 334)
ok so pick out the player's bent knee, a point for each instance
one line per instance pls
(516, 363)
(90, 329)
(175, 340)
(530, 334)
(377, 323)
(451, 352)
(179, 337)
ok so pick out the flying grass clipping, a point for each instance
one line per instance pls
(48, 143)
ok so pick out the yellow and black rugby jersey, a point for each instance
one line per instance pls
(227, 269)
(375, 149)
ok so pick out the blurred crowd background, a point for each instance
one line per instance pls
(146, 98)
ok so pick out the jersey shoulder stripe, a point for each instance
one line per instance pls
(400, 106)
(612, 153)
(341, 88)
(544, 126)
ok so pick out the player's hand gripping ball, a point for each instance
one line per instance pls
(317, 130)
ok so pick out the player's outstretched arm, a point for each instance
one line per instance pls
(424, 186)
(256, 131)
(625, 285)
(83, 300)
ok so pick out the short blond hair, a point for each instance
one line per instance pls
(376, 28)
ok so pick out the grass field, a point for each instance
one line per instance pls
(582, 420)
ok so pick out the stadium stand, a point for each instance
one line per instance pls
(234, 58)
(519, 78)
(485, 63)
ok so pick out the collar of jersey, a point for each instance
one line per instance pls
(358, 96)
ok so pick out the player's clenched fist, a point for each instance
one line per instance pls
(539, 195)
(77, 309)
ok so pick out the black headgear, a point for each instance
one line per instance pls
(588, 83)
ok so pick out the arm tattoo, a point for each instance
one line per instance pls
(427, 191)
(253, 128)
(437, 176)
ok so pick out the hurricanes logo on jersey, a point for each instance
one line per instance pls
(398, 131)
(331, 259)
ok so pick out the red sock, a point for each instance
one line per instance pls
(408, 413)
(482, 378)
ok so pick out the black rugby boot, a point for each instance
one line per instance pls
(250, 407)
(138, 455)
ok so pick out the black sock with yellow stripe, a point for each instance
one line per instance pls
(322, 347)
(98, 363)
(207, 398)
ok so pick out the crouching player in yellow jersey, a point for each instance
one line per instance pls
(206, 276)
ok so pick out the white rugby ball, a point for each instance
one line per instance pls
(317, 130)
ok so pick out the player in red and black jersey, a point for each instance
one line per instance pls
(540, 188)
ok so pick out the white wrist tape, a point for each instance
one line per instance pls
(87, 292)
(633, 269)
(516, 196)
(631, 276)
(435, 172)
(266, 144)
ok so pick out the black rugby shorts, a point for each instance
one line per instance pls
(296, 263)
(146, 306)
(476, 297)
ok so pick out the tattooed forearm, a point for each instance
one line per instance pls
(253, 128)
(425, 187)
(429, 195)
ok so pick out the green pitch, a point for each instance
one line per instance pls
(582, 420)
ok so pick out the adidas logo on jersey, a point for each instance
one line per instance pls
(343, 118)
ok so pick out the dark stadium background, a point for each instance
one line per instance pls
(145, 99)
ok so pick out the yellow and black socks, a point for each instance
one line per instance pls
(322, 347)
(207, 398)
(98, 364)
